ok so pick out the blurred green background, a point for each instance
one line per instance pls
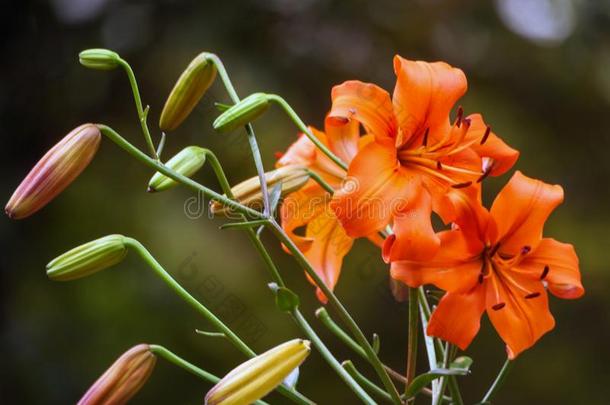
(538, 70)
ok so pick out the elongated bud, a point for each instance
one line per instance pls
(59, 167)
(249, 193)
(255, 378)
(248, 109)
(88, 258)
(185, 162)
(123, 379)
(101, 59)
(188, 90)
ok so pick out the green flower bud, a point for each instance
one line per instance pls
(186, 162)
(240, 114)
(258, 376)
(88, 258)
(188, 90)
(101, 59)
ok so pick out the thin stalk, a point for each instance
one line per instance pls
(158, 166)
(344, 315)
(301, 125)
(142, 114)
(413, 333)
(330, 359)
(318, 179)
(191, 368)
(499, 381)
(365, 382)
(426, 312)
(256, 155)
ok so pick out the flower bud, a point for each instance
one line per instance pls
(59, 167)
(185, 162)
(255, 378)
(249, 193)
(101, 59)
(123, 379)
(240, 114)
(88, 258)
(188, 90)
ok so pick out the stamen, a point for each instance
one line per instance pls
(498, 306)
(532, 295)
(494, 250)
(481, 278)
(488, 165)
(462, 185)
(439, 166)
(460, 115)
(425, 141)
(525, 249)
(545, 272)
(486, 135)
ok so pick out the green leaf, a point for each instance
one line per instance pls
(461, 363)
(285, 299)
(274, 197)
(222, 107)
(376, 343)
(244, 225)
(423, 380)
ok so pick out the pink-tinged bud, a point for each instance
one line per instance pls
(59, 167)
(123, 379)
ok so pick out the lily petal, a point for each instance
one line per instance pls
(457, 319)
(301, 207)
(504, 156)
(343, 139)
(520, 211)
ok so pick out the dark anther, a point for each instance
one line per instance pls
(462, 185)
(498, 306)
(485, 174)
(532, 295)
(481, 278)
(494, 250)
(486, 135)
(425, 141)
(467, 122)
(460, 114)
(545, 272)
(525, 249)
(439, 166)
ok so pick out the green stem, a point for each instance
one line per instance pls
(344, 315)
(256, 155)
(413, 333)
(330, 359)
(191, 368)
(499, 381)
(365, 382)
(301, 125)
(156, 165)
(318, 179)
(142, 115)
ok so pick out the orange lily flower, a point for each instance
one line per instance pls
(325, 242)
(416, 157)
(497, 261)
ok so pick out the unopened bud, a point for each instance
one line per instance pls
(188, 90)
(101, 59)
(123, 379)
(59, 167)
(255, 378)
(247, 110)
(249, 192)
(186, 162)
(88, 258)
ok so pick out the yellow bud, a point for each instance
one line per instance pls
(123, 379)
(185, 162)
(88, 258)
(188, 90)
(252, 380)
(249, 193)
(59, 167)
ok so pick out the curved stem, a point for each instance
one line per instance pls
(301, 125)
(345, 316)
(191, 368)
(365, 382)
(318, 179)
(499, 381)
(142, 114)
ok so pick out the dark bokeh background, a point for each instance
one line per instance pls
(538, 70)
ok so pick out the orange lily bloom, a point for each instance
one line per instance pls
(497, 261)
(416, 157)
(325, 242)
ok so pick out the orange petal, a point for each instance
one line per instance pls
(453, 268)
(374, 190)
(464, 208)
(367, 103)
(301, 152)
(504, 156)
(301, 207)
(557, 264)
(414, 238)
(519, 321)
(520, 211)
(329, 245)
(424, 96)
(343, 139)
(457, 318)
